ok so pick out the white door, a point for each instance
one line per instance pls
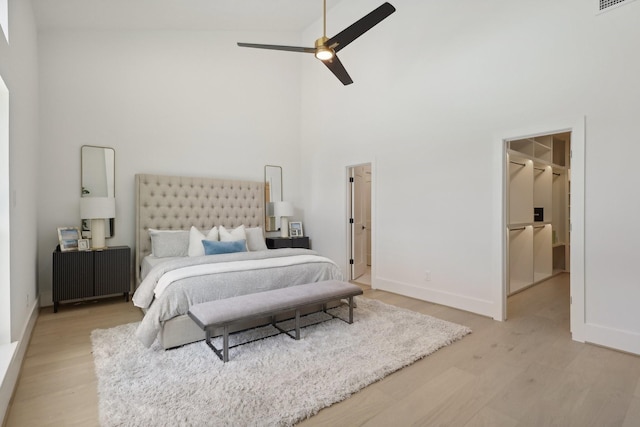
(358, 224)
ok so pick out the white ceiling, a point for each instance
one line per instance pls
(259, 15)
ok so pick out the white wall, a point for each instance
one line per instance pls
(168, 102)
(434, 84)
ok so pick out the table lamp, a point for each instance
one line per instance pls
(283, 210)
(97, 209)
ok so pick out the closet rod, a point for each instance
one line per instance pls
(539, 226)
(517, 229)
(539, 169)
(516, 163)
(556, 174)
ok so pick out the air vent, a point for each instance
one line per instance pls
(604, 5)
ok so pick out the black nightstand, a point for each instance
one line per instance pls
(288, 242)
(88, 274)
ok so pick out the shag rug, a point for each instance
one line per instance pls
(276, 381)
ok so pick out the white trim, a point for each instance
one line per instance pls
(5, 222)
(577, 264)
(7, 384)
(18, 350)
(613, 338)
(436, 296)
(577, 286)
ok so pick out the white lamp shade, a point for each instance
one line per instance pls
(282, 209)
(97, 207)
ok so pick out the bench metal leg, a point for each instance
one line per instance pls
(225, 344)
(297, 324)
(350, 309)
(224, 354)
(213, 347)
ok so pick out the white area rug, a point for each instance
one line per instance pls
(273, 382)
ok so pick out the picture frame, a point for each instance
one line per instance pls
(83, 245)
(295, 229)
(68, 238)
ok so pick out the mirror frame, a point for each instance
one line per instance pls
(85, 223)
(271, 223)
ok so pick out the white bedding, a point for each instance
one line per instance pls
(173, 276)
(149, 262)
(222, 276)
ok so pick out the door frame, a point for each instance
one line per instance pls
(577, 229)
(348, 204)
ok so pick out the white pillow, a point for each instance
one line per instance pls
(169, 243)
(255, 239)
(237, 233)
(195, 240)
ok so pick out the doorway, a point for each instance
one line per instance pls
(575, 256)
(537, 211)
(360, 224)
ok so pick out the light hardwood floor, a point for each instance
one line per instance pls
(522, 372)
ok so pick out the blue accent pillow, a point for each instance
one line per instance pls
(212, 247)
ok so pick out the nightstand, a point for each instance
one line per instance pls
(88, 274)
(288, 242)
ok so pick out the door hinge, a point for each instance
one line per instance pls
(351, 261)
(351, 221)
(350, 179)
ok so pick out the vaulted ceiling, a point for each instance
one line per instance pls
(258, 15)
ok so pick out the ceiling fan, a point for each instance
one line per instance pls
(326, 49)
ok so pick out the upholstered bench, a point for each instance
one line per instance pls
(226, 312)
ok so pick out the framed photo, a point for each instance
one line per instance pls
(83, 245)
(68, 238)
(295, 229)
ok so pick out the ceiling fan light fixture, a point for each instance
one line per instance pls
(324, 53)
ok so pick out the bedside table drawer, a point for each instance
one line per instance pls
(288, 242)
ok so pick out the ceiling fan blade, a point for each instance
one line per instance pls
(338, 70)
(278, 47)
(358, 28)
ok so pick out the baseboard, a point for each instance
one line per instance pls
(13, 370)
(7, 356)
(461, 302)
(616, 339)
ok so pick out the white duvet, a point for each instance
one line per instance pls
(171, 288)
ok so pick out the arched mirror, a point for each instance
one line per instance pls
(97, 180)
(272, 193)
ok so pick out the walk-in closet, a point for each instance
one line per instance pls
(538, 193)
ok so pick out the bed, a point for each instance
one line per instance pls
(172, 211)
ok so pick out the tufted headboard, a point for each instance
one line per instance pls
(178, 202)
